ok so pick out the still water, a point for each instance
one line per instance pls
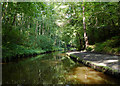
(53, 68)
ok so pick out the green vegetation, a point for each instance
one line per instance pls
(111, 46)
(25, 30)
(35, 27)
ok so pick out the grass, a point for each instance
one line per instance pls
(14, 50)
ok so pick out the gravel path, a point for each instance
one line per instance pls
(111, 61)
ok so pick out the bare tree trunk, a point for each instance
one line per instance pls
(96, 22)
(36, 31)
(15, 15)
(43, 30)
(14, 19)
(39, 29)
(5, 9)
(84, 27)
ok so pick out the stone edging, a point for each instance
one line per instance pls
(106, 70)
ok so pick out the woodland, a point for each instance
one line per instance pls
(30, 28)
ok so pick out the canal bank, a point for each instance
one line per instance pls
(52, 68)
(18, 56)
(108, 64)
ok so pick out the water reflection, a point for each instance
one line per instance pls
(43, 69)
(85, 75)
(54, 68)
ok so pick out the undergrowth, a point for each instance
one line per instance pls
(111, 46)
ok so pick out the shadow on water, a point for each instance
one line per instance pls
(85, 75)
(53, 68)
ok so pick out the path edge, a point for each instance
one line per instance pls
(106, 70)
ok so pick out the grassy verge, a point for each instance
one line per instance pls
(14, 51)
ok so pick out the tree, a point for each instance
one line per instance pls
(84, 27)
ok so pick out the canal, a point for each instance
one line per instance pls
(52, 68)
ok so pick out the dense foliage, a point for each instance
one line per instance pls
(101, 21)
(110, 46)
(34, 27)
(28, 27)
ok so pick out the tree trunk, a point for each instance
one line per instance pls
(96, 21)
(14, 20)
(80, 41)
(84, 27)
(3, 6)
(36, 30)
(39, 29)
(119, 14)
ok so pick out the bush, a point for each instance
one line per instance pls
(17, 43)
(40, 42)
(45, 42)
(12, 36)
(111, 46)
(89, 49)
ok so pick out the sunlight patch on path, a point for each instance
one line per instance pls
(110, 61)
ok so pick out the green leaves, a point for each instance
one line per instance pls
(46, 24)
(110, 46)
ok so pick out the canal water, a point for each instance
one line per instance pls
(53, 68)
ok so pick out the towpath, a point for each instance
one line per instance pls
(104, 60)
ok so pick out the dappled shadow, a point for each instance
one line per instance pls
(100, 59)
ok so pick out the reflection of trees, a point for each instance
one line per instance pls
(54, 73)
(45, 70)
(49, 74)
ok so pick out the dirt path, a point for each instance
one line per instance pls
(103, 60)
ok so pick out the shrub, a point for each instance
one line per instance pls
(45, 42)
(111, 46)
(12, 36)
(89, 49)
